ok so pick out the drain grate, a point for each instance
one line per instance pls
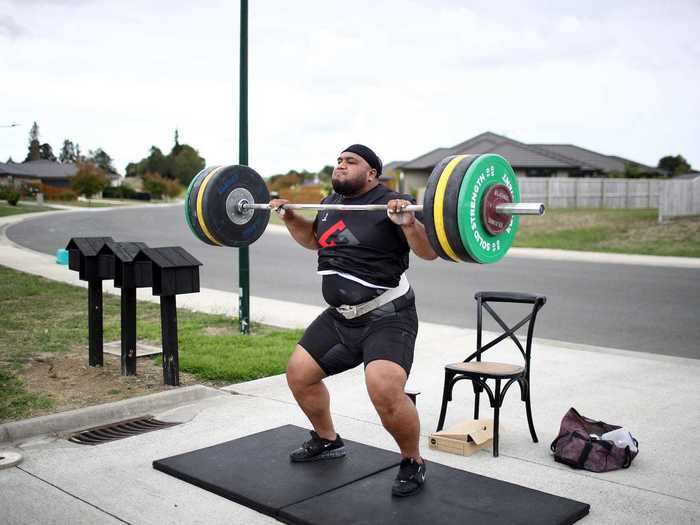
(120, 430)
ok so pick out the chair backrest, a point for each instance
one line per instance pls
(482, 303)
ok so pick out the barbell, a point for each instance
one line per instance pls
(470, 208)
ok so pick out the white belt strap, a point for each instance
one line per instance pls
(356, 310)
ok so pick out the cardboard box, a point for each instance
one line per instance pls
(463, 439)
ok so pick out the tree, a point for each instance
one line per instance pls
(186, 164)
(79, 157)
(182, 163)
(155, 184)
(102, 160)
(46, 152)
(132, 170)
(68, 153)
(177, 147)
(34, 152)
(89, 179)
(156, 162)
(674, 165)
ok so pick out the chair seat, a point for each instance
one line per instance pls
(487, 368)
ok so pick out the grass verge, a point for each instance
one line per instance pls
(45, 322)
(6, 210)
(634, 231)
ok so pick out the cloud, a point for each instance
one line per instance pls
(9, 28)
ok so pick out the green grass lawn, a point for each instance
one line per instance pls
(7, 210)
(635, 231)
(42, 316)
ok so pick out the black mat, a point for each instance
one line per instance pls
(255, 470)
(450, 496)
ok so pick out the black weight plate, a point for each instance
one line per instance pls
(428, 203)
(450, 210)
(214, 193)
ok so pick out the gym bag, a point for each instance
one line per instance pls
(593, 445)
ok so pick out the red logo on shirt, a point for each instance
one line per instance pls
(337, 234)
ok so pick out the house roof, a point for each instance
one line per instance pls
(592, 159)
(521, 155)
(88, 246)
(41, 169)
(168, 257)
(124, 251)
(518, 154)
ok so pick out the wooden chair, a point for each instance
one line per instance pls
(478, 371)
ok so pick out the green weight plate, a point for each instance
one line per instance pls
(428, 204)
(214, 206)
(484, 172)
(451, 209)
(191, 204)
(187, 204)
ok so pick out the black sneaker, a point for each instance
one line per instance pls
(319, 448)
(410, 478)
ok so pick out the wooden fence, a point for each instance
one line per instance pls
(557, 192)
(679, 198)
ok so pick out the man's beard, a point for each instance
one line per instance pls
(347, 187)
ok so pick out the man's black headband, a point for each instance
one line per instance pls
(366, 153)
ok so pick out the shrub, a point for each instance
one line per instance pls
(13, 197)
(123, 191)
(51, 193)
(89, 180)
(155, 184)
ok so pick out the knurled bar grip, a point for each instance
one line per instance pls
(520, 208)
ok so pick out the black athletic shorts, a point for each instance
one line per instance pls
(388, 332)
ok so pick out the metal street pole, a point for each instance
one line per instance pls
(243, 260)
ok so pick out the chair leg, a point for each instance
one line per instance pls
(477, 396)
(446, 396)
(496, 410)
(528, 411)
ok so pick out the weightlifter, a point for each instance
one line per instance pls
(371, 318)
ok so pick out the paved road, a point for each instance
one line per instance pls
(641, 308)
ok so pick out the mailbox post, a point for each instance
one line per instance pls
(128, 275)
(174, 271)
(83, 257)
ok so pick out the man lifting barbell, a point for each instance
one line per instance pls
(363, 234)
(372, 319)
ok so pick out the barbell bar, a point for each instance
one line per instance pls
(470, 211)
(520, 208)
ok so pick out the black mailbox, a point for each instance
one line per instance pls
(129, 273)
(175, 271)
(84, 257)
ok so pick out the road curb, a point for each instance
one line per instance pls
(76, 420)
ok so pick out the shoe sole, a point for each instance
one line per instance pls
(406, 494)
(327, 454)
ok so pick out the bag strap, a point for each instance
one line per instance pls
(584, 454)
(628, 457)
(553, 446)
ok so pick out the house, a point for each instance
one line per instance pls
(528, 160)
(47, 172)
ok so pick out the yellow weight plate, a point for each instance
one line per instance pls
(200, 208)
(438, 207)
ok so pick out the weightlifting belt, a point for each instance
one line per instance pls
(356, 310)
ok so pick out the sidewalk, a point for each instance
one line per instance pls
(656, 397)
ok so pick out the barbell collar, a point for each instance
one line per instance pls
(521, 208)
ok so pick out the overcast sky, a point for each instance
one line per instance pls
(619, 77)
